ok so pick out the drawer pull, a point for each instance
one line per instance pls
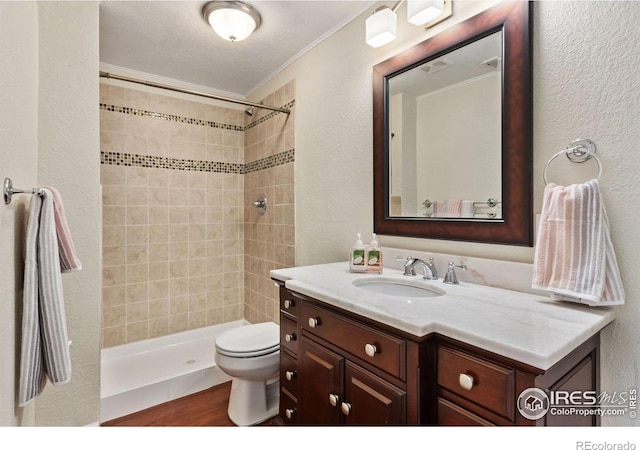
(466, 381)
(346, 408)
(288, 304)
(290, 412)
(290, 374)
(370, 350)
(314, 322)
(334, 399)
(290, 337)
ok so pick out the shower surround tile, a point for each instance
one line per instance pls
(182, 248)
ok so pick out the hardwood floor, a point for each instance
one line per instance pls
(203, 409)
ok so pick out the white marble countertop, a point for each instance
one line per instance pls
(525, 327)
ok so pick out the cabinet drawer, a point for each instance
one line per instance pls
(482, 382)
(288, 334)
(452, 414)
(288, 303)
(288, 408)
(375, 347)
(289, 372)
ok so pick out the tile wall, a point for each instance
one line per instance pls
(269, 238)
(182, 247)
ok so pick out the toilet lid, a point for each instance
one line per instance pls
(250, 340)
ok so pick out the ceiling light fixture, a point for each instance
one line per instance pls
(381, 26)
(232, 20)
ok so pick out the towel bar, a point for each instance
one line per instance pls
(578, 151)
(8, 190)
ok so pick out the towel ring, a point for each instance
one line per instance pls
(578, 151)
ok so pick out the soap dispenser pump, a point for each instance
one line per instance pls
(374, 256)
(357, 261)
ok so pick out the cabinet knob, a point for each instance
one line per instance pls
(288, 304)
(370, 349)
(290, 337)
(314, 322)
(290, 412)
(466, 381)
(290, 374)
(334, 399)
(346, 408)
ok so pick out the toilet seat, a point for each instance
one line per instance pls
(249, 341)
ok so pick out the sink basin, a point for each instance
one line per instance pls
(399, 287)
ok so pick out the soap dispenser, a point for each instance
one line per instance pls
(357, 261)
(374, 256)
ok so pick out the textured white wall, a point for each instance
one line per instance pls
(18, 160)
(586, 84)
(68, 158)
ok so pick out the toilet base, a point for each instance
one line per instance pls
(252, 402)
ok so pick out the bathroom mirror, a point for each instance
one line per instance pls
(452, 126)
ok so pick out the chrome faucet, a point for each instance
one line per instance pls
(450, 277)
(428, 269)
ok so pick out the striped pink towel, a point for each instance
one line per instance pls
(447, 208)
(69, 262)
(574, 257)
(45, 350)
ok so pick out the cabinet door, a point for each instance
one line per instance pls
(369, 400)
(321, 374)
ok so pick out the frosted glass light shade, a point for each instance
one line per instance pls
(231, 20)
(381, 27)
(420, 12)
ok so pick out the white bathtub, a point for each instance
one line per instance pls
(142, 374)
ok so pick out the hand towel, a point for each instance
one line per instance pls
(45, 344)
(447, 208)
(467, 209)
(69, 262)
(574, 256)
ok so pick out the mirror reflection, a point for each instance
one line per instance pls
(445, 135)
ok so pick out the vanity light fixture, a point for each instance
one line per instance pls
(232, 20)
(420, 12)
(381, 26)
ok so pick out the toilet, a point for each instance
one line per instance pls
(250, 354)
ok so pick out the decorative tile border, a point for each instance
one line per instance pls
(160, 162)
(270, 161)
(190, 120)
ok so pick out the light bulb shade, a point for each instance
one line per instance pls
(381, 27)
(233, 21)
(420, 12)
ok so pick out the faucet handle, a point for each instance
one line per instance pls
(409, 270)
(450, 277)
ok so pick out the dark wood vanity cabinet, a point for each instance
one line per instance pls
(337, 367)
(475, 387)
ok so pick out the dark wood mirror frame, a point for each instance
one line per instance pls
(516, 228)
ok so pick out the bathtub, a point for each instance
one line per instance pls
(142, 374)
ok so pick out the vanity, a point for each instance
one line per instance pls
(462, 356)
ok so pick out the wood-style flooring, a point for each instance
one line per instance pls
(203, 409)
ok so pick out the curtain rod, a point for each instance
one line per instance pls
(189, 91)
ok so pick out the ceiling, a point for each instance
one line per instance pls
(171, 39)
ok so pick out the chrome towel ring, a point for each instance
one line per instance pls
(578, 151)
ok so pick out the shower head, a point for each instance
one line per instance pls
(249, 111)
